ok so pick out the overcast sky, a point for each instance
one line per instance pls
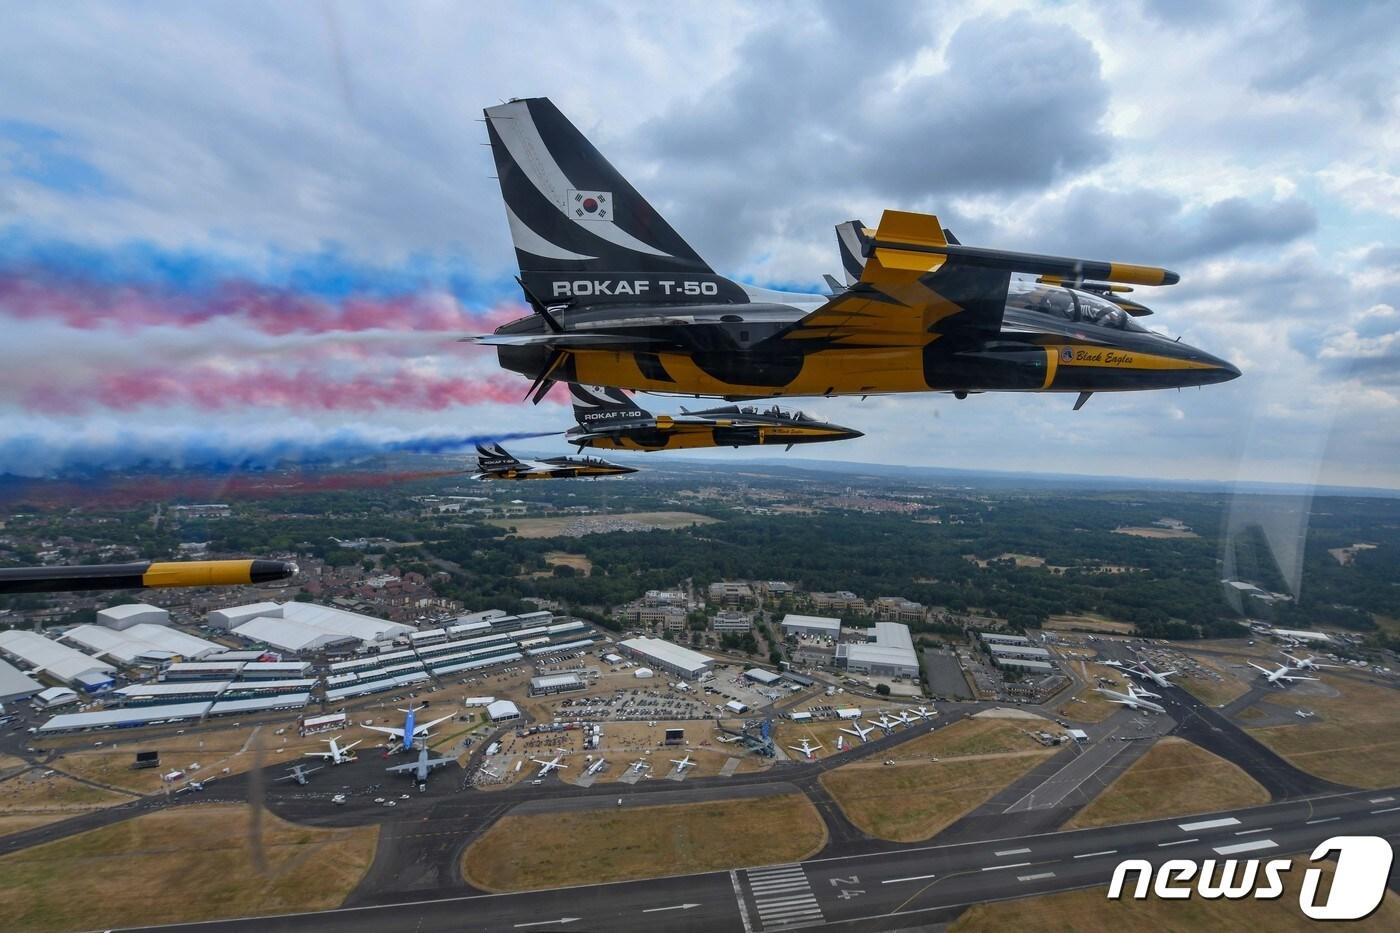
(230, 227)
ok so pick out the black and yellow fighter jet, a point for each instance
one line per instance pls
(144, 574)
(608, 418)
(494, 462)
(620, 300)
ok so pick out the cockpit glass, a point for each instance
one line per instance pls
(1070, 305)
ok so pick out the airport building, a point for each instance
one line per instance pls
(555, 683)
(668, 656)
(1018, 651)
(731, 621)
(62, 663)
(122, 617)
(55, 697)
(999, 639)
(1025, 665)
(759, 676)
(140, 643)
(297, 626)
(819, 626)
(15, 684)
(889, 654)
(203, 670)
(503, 711)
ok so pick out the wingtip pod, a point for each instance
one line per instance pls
(216, 572)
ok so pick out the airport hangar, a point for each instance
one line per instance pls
(668, 656)
(818, 626)
(889, 654)
(15, 684)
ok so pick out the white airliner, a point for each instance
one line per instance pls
(1133, 699)
(884, 722)
(493, 775)
(1310, 663)
(1157, 677)
(683, 763)
(415, 729)
(806, 748)
(1281, 677)
(554, 764)
(904, 717)
(638, 767)
(924, 712)
(1304, 713)
(338, 754)
(857, 731)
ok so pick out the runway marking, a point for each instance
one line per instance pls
(1254, 845)
(1012, 865)
(657, 910)
(1248, 832)
(1179, 842)
(1011, 852)
(1096, 854)
(1380, 800)
(782, 896)
(1325, 819)
(910, 878)
(1208, 824)
(739, 896)
(1044, 874)
(1386, 810)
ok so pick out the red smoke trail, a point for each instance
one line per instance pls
(211, 389)
(272, 311)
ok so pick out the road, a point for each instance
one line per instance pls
(875, 891)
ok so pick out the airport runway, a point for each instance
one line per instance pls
(874, 891)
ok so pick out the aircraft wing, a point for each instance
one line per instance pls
(401, 769)
(564, 341)
(439, 762)
(915, 283)
(387, 730)
(424, 727)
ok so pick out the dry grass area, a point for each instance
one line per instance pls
(555, 526)
(579, 562)
(1143, 531)
(19, 822)
(1021, 560)
(1087, 704)
(915, 797)
(1090, 911)
(1232, 683)
(33, 792)
(1355, 739)
(187, 864)
(1175, 778)
(549, 850)
(911, 801)
(1088, 623)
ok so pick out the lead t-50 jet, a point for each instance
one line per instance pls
(608, 418)
(620, 299)
(494, 462)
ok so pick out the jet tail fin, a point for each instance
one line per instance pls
(853, 242)
(494, 457)
(583, 235)
(600, 405)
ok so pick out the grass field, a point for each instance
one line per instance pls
(1088, 623)
(1175, 778)
(190, 863)
(32, 792)
(1088, 705)
(1355, 740)
(1142, 531)
(1090, 911)
(555, 526)
(915, 798)
(1231, 685)
(548, 850)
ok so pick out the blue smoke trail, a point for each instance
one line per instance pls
(34, 456)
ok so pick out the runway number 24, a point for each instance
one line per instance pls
(846, 895)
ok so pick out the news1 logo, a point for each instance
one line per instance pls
(1363, 867)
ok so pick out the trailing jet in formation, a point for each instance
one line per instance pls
(1281, 677)
(495, 463)
(337, 754)
(607, 418)
(620, 299)
(412, 729)
(1133, 699)
(554, 764)
(857, 731)
(1146, 673)
(1310, 663)
(421, 768)
(299, 773)
(807, 749)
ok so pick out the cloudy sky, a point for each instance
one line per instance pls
(229, 228)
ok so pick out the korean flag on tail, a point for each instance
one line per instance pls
(590, 205)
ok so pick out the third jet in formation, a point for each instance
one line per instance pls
(608, 418)
(494, 462)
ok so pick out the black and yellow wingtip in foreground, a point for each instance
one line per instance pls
(142, 575)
